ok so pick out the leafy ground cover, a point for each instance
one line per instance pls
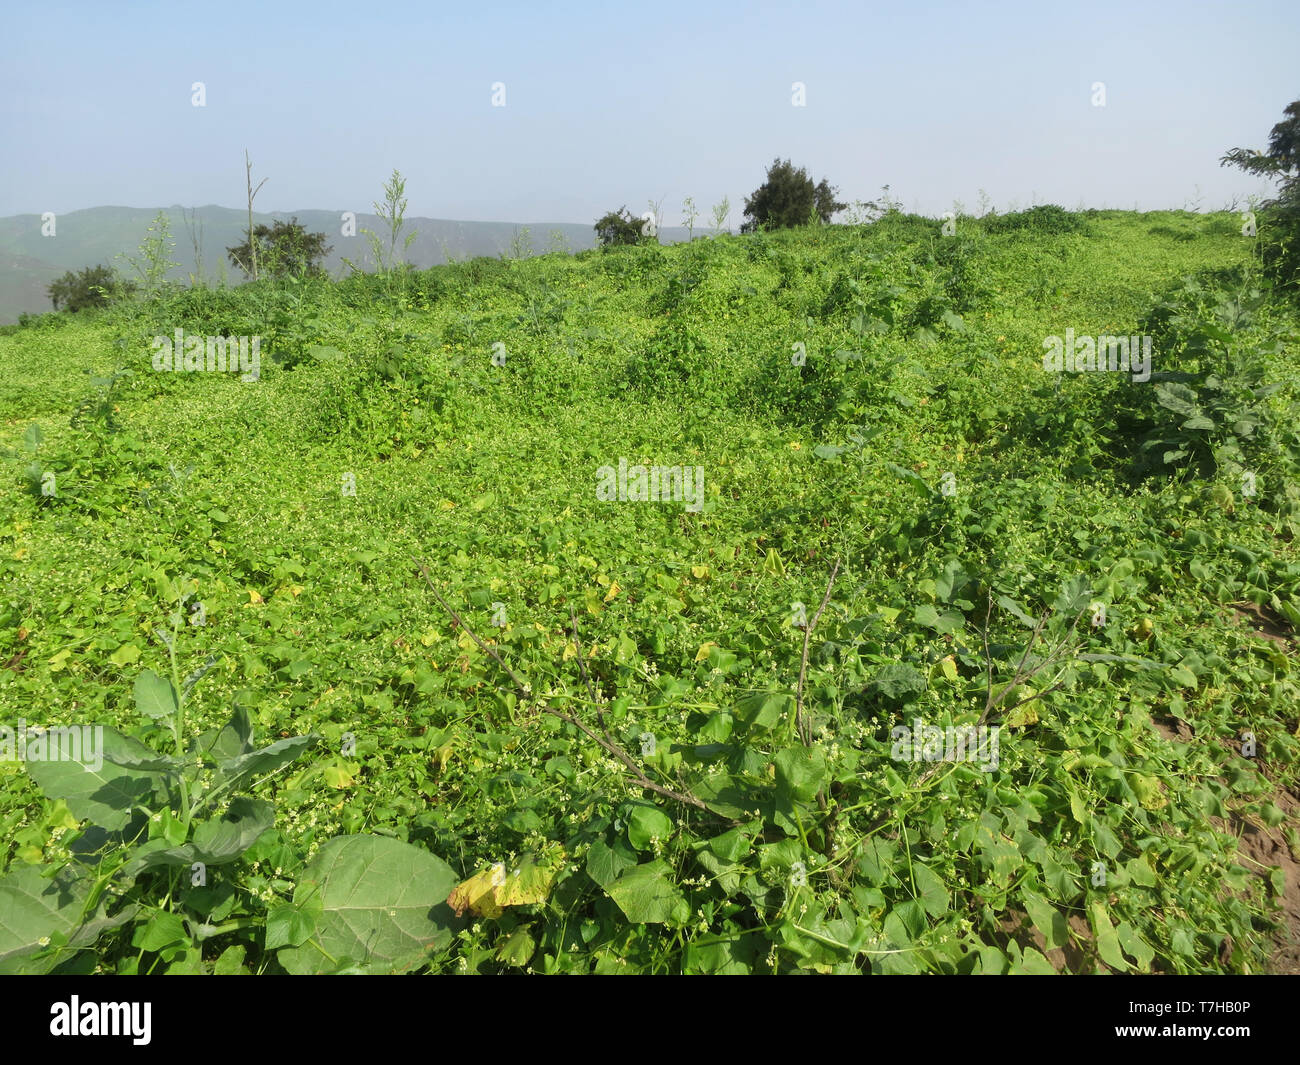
(387, 686)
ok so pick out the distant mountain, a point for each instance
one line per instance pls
(29, 261)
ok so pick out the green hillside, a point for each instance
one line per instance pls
(688, 765)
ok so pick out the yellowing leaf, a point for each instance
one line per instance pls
(570, 651)
(948, 666)
(488, 893)
(613, 591)
(429, 638)
(253, 597)
(700, 573)
(527, 884)
(340, 776)
(1021, 716)
(704, 650)
(476, 893)
(1150, 792)
(773, 565)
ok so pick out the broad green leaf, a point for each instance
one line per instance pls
(36, 907)
(231, 962)
(155, 696)
(928, 616)
(1073, 596)
(163, 929)
(931, 891)
(605, 863)
(104, 795)
(1106, 937)
(1134, 945)
(1178, 398)
(647, 822)
(1032, 963)
(1047, 919)
(215, 842)
(764, 710)
(1014, 609)
(800, 771)
(647, 895)
(914, 479)
(383, 906)
(288, 925)
(234, 738)
(877, 858)
(896, 680)
(517, 949)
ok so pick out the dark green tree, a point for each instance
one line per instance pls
(95, 286)
(619, 227)
(1283, 156)
(284, 249)
(788, 198)
(1279, 218)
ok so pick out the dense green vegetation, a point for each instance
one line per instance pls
(374, 595)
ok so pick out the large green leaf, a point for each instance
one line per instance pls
(155, 696)
(37, 907)
(1178, 398)
(1047, 919)
(896, 680)
(800, 771)
(383, 906)
(234, 738)
(103, 795)
(645, 823)
(605, 863)
(948, 621)
(647, 894)
(215, 842)
(763, 710)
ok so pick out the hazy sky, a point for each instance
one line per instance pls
(609, 104)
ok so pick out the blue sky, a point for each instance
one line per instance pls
(610, 105)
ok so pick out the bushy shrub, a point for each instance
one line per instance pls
(789, 198)
(618, 228)
(1046, 218)
(93, 286)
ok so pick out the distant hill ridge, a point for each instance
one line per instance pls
(29, 261)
